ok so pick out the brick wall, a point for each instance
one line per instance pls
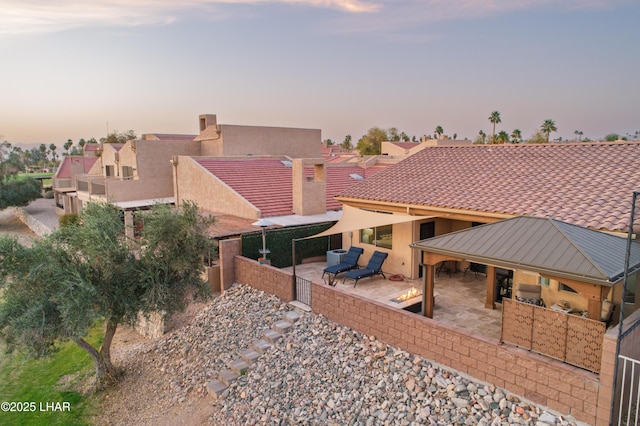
(561, 387)
(265, 277)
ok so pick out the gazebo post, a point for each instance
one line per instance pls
(490, 301)
(428, 273)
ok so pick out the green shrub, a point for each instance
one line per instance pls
(48, 195)
(68, 219)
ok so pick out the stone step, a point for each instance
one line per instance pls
(299, 307)
(216, 388)
(228, 376)
(250, 356)
(282, 326)
(291, 317)
(238, 366)
(260, 345)
(272, 336)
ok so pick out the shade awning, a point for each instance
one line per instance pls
(354, 218)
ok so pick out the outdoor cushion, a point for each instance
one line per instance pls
(349, 262)
(374, 267)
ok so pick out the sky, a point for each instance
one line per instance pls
(71, 70)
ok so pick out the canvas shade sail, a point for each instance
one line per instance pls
(354, 218)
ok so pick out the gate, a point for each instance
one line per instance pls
(303, 290)
(629, 391)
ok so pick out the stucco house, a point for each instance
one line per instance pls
(440, 190)
(551, 216)
(63, 182)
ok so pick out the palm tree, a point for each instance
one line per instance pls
(483, 135)
(516, 136)
(503, 137)
(439, 131)
(548, 126)
(67, 145)
(494, 118)
(52, 149)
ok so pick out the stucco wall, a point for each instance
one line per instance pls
(258, 140)
(108, 156)
(195, 183)
(153, 156)
(127, 158)
(403, 259)
(129, 190)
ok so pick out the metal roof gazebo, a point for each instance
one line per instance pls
(590, 261)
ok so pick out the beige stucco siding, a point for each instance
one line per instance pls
(256, 140)
(194, 182)
(130, 190)
(108, 157)
(153, 156)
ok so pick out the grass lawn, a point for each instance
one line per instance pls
(24, 380)
(46, 182)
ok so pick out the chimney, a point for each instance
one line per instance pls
(207, 120)
(309, 192)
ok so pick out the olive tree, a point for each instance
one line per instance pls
(58, 288)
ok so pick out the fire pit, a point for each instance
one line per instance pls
(410, 294)
(410, 300)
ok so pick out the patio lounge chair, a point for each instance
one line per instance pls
(349, 262)
(374, 267)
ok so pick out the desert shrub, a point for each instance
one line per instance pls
(68, 219)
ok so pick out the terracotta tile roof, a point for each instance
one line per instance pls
(268, 184)
(587, 184)
(64, 171)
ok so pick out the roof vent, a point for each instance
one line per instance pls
(356, 176)
(286, 163)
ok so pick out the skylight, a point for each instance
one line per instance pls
(356, 176)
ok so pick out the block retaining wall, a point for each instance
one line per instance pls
(550, 383)
(265, 277)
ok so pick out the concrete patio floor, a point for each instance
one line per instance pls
(459, 300)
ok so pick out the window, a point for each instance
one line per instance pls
(379, 236)
(564, 287)
(630, 294)
(543, 281)
(127, 172)
(108, 171)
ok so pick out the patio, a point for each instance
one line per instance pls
(459, 299)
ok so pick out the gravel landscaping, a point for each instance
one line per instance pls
(319, 373)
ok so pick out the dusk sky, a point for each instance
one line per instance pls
(73, 69)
